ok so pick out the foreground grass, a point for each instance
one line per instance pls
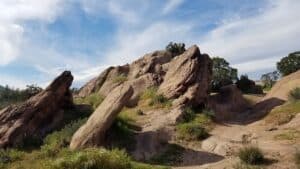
(283, 114)
(67, 159)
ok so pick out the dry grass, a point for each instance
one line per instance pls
(283, 114)
(291, 135)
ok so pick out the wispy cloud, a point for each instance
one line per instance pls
(172, 5)
(252, 41)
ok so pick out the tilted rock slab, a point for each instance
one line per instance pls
(188, 78)
(37, 116)
(93, 131)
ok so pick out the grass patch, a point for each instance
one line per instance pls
(191, 131)
(283, 114)
(94, 100)
(171, 156)
(10, 155)
(288, 135)
(251, 155)
(55, 141)
(120, 78)
(294, 95)
(154, 99)
(195, 126)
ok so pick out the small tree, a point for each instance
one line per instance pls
(247, 85)
(269, 79)
(223, 74)
(175, 48)
(289, 64)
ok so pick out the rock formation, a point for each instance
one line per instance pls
(93, 131)
(184, 79)
(37, 116)
(188, 77)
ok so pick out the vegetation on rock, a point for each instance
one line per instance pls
(175, 48)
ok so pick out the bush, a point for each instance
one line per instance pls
(120, 78)
(93, 159)
(251, 155)
(59, 139)
(192, 131)
(10, 155)
(94, 100)
(248, 86)
(156, 100)
(294, 94)
(175, 48)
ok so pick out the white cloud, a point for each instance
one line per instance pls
(131, 45)
(12, 14)
(172, 5)
(256, 42)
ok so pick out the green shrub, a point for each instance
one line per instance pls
(94, 100)
(149, 93)
(10, 155)
(251, 155)
(93, 159)
(171, 156)
(59, 139)
(175, 48)
(156, 100)
(294, 95)
(188, 114)
(120, 78)
(191, 131)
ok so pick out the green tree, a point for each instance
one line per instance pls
(223, 74)
(247, 85)
(289, 64)
(175, 48)
(269, 79)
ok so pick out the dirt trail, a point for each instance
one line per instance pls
(226, 139)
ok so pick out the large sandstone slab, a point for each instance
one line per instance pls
(188, 77)
(93, 131)
(37, 116)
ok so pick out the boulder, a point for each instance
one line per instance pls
(188, 78)
(37, 116)
(228, 103)
(93, 131)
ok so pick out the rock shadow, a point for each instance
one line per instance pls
(176, 155)
(257, 112)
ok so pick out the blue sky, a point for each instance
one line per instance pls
(39, 39)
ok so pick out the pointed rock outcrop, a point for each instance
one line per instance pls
(37, 116)
(188, 78)
(93, 131)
